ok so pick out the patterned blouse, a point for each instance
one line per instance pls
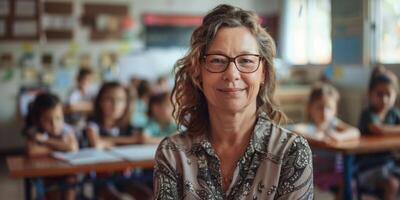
(277, 164)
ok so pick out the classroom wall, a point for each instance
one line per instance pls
(10, 125)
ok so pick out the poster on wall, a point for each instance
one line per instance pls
(25, 8)
(26, 28)
(2, 28)
(6, 67)
(4, 7)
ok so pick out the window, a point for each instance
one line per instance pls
(307, 32)
(388, 31)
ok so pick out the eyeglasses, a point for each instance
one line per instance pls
(245, 63)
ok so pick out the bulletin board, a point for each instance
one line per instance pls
(57, 20)
(104, 20)
(19, 20)
(169, 30)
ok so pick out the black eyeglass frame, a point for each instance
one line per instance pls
(232, 59)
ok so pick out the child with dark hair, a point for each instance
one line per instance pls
(380, 118)
(79, 102)
(49, 133)
(110, 127)
(161, 123)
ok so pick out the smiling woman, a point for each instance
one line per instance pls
(233, 146)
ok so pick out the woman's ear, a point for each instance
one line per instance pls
(264, 76)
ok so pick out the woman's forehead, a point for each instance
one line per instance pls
(233, 41)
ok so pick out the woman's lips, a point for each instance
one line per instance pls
(231, 90)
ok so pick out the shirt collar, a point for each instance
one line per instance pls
(260, 135)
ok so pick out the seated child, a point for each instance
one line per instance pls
(111, 127)
(380, 118)
(161, 123)
(325, 126)
(80, 99)
(321, 111)
(49, 133)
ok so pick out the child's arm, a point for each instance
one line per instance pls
(82, 106)
(95, 140)
(308, 131)
(147, 139)
(350, 133)
(33, 148)
(67, 143)
(382, 129)
(124, 140)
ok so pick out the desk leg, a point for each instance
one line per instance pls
(40, 188)
(348, 173)
(28, 189)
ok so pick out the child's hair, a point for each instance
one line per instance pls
(320, 90)
(144, 88)
(158, 98)
(83, 72)
(381, 75)
(42, 103)
(98, 113)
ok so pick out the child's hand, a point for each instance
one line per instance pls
(41, 138)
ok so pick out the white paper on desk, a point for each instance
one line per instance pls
(87, 156)
(135, 152)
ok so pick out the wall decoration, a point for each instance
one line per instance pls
(4, 8)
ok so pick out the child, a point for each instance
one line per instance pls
(49, 133)
(139, 117)
(110, 127)
(161, 122)
(321, 110)
(80, 99)
(380, 118)
(325, 126)
(111, 123)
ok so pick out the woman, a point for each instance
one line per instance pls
(223, 96)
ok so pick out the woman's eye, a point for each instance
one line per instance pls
(217, 61)
(246, 61)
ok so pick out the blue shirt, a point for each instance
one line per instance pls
(154, 129)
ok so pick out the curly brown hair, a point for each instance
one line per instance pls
(190, 105)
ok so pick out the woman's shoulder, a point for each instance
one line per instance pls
(182, 141)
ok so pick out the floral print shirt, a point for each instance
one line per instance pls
(277, 164)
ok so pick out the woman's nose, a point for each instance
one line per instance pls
(231, 73)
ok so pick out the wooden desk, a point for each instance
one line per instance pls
(366, 144)
(31, 168)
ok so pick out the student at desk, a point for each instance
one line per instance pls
(325, 126)
(161, 123)
(380, 118)
(47, 132)
(110, 127)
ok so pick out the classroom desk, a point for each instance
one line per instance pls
(37, 167)
(366, 144)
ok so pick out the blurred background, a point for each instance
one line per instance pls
(44, 43)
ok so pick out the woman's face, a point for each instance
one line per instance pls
(52, 120)
(113, 103)
(232, 90)
(322, 110)
(382, 97)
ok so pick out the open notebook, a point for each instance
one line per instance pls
(92, 155)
